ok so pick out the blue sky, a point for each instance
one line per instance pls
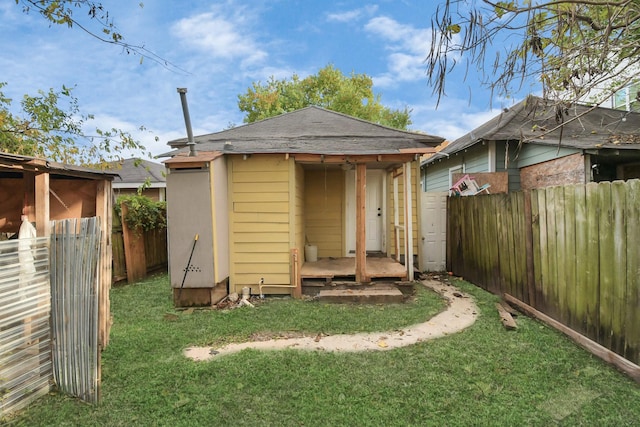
(220, 47)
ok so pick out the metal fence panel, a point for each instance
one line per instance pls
(75, 245)
(25, 356)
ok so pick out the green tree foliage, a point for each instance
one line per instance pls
(574, 48)
(330, 89)
(143, 214)
(50, 125)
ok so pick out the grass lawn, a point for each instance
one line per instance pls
(484, 375)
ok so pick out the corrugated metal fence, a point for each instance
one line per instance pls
(25, 353)
(49, 315)
(75, 250)
(572, 252)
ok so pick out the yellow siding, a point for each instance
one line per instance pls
(259, 229)
(300, 213)
(323, 204)
(414, 210)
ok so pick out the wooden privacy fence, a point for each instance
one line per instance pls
(155, 249)
(571, 252)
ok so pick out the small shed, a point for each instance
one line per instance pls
(307, 194)
(44, 190)
(54, 292)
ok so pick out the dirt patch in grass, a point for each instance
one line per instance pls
(460, 314)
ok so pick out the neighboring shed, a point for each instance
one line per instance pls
(255, 194)
(537, 143)
(45, 191)
(135, 173)
(54, 291)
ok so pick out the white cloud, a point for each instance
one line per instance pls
(352, 15)
(449, 124)
(222, 35)
(408, 47)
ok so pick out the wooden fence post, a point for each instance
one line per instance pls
(133, 250)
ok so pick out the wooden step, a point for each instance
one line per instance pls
(389, 295)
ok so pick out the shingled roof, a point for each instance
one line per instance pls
(540, 121)
(137, 171)
(312, 130)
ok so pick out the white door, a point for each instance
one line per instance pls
(434, 231)
(375, 212)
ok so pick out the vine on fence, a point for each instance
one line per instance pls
(142, 212)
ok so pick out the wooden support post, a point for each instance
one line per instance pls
(295, 273)
(408, 221)
(104, 212)
(596, 349)
(361, 217)
(43, 227)
(396, 218)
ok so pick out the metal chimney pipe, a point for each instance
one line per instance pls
(187, 121)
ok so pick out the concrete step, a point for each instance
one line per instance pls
(389, 295)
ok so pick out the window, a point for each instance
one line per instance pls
(628, 98)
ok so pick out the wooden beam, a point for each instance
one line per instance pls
(596, 349)
(408, 221)
(43, 227)
(396, 219)
(342, 158)
(295, 273)
(506, 318)
(104, 211)
(361, 219)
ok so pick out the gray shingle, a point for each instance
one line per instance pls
(536, 120)
(311, 130)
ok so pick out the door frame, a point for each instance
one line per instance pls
(350, 211)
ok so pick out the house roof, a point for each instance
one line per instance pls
(136, 171)
(311, 130)
(14, 162)
(540, 121)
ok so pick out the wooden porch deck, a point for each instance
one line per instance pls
(377, 268)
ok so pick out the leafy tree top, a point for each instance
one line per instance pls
(573, 48)
(329, 88)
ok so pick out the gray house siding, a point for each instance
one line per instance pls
(436, 176)
(532, 154)
(476, 159)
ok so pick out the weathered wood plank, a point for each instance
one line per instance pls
(552, 244)
(536, 232)
(135, 259)
(529, 254)
(582, 260)
(619, 282)
(591, 288)
(520, 247)
(562, 260)
(493, 244)
(506, 318)
(632, 311)
(607, 264)
(570, 252)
